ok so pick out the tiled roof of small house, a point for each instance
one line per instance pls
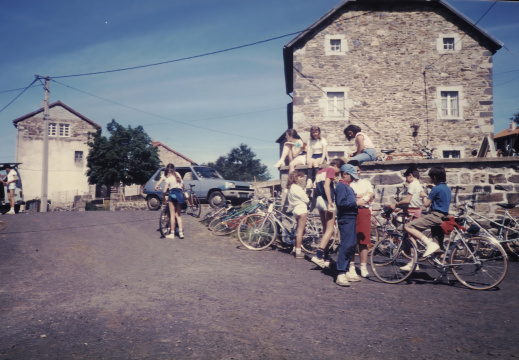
(507, 132)
(57, 103)
(158, 143)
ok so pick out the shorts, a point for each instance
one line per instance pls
(364, 226)
(321, 204)
(176, 196)
(318, 156)
(300, 210)
(12, 186)
(416, 212)
(427, 221)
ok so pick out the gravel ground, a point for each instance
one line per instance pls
(104, 285)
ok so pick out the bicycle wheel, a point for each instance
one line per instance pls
(312, 237)
(257, 231)
(164, 222)
(512, 236)
(226, 227)
(388, 262)
(479, 263)
(196, 207)
(209, 214)
(218, 219)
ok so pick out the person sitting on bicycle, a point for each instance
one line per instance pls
(412, 202)
(175, 185)
(365, 148)
(347, 211)
(298, 205)
(325, 197)
(439, 199)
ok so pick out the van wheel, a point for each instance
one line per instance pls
(153, 203)
(216, 199)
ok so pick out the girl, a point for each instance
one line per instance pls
(175, 184)
(298, 204)
(365, 148)
(294, 150)
(316, 154)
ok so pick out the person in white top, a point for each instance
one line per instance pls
(363, 190)
(412, 202)
(175, 185)
(365, 148)
(316, 154)
(293, 150)
(12, 178)
(298, 204)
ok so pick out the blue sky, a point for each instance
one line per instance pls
(206, 105)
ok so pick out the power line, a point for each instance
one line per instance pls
(20, 94)
(160, 116)
(181, 59)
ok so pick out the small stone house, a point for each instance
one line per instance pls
(506, 141)
(68, 151)
(170, 156)
(410, 73)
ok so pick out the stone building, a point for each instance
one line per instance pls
(168, 155)
(68, 150)
(409, 73)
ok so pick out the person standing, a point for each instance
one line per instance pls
(316, 154)
(325, 197)
(298, 205)
(347, 210)
(365, 148)
(173, 183)
(12, 179)
(363, 190)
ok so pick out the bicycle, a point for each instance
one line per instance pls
(258, 231)
(194, 208)
(478, 263)
(229, 223)
(214, 212)
(164, 219)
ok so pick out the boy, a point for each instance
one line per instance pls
(412, 201)
(347, 210)
(325, 192)
(439, 200)
(12, 178)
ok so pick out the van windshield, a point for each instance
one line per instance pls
(207, 173)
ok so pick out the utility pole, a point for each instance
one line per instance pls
(45, 160)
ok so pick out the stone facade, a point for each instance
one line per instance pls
(68, 151)
(170, 156)
(392, 70)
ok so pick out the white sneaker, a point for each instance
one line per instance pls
(352, 276)
(170, 236)
(409, 267)
(309, 183)
(319, 262)
(181, 234)
(364, 271)
(342, 280)
(11, 212)
(279, 163)
(431, 248)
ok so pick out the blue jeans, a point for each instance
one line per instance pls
(365, 155)
(348, 230)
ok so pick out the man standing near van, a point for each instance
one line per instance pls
(12, 178)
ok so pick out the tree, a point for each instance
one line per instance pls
(515, 118)
(127, 156)
(240, 164)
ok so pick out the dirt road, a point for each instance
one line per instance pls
(104, 285)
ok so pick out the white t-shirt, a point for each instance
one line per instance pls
(11, 175)
(317, 146)
(362, 186)
(415, 188)
(171, 182)
(296, 197)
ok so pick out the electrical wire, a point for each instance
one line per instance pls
(20, 94)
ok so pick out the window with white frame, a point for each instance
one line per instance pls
(52, 129)
(64, 130)
(335, 104)
(448, 43)
(449, 102)
(450, 151)
(335, 45)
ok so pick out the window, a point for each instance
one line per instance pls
(335, 104)
(450, 151)
(450, 104)
(78, 157)
(448, 43)
(52, 129)
(451, 154)
(335, 45)
(64, 130)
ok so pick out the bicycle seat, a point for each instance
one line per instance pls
(506, 206)
(387, 152)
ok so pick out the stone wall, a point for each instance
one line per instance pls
(390, 66)
(473, 180)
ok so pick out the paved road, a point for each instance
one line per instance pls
(104, 285)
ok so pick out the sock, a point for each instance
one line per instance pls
(298, 251)
(363, 265)
(319, 253)
(426, 240)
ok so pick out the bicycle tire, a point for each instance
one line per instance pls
(481, 268)
(226, 227)
(312, 237)
(511, 236)
(387, 260)
(218, 219)
(209, 214)
(196, 206)
(257, 231)
(164, 222)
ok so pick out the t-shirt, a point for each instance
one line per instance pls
(296, 196)
(414, 189)
(440, 196)
(320, 178)
(362, 186)
(171, 182)
(11, 175)
(317, 146)
(368, 144)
